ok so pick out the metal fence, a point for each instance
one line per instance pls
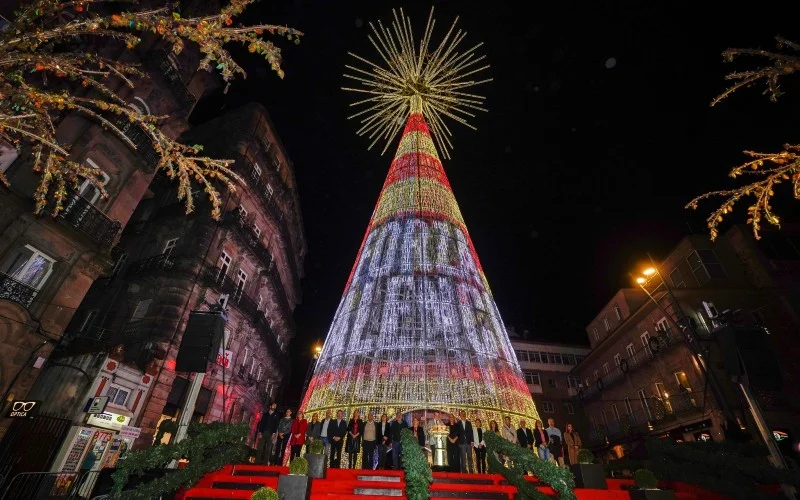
(50, 485)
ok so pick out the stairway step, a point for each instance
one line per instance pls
(378, 491)
(387, 479)
(447, 480)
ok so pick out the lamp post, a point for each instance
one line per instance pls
(316, 350)
(690, 336)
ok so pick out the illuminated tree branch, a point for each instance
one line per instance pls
(771, 168)
(42, 77)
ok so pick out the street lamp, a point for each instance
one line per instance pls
(686, 327)
(316, 352)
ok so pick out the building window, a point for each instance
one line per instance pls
(570, 409)
(260, 372)
(535, 357)
(8, 154)
(270, 191)
(88, 320)
(226, 338)
(242, 211)
(257, 230)
(557, 359)
(629, 409)
(631, 350)
(260, 302)
(532, 378)
(662, 325)
(606, 369)
(522, 355)
(241, 282)
(547, 407)
(544, 357)
(579, 359)
(645, 338)
(617, 359)
(596, 375)
(117, 395)
(87, 190)
(569, 359)
(572, 382)
(618, 310)
(552, 383)
(224, 266)
(29, 266)
(677, 278)
(140, 311)
(123, 257)
(607, 325)
(711, 309)
(705, 266)
(169, 246)
(246, 355)
(256, 170)
(645, 403)
(615, 411)
(595, 334)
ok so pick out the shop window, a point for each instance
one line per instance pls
(117, 395)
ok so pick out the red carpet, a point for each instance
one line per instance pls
(344, 484)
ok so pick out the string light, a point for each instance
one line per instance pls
(415, 80)
(417, 327)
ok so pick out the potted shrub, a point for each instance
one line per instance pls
(587, 473)
(316, 459)
(296, 485)
(647, 487)
(264, 493)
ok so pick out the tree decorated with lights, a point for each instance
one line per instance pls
(769, 169)
(417, 327)
(45, 74)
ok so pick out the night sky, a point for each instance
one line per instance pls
(599, 131)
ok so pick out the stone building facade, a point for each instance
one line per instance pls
(641, 379)
(547, 369)
(48, 264)
(171, 264)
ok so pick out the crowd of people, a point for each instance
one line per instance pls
(378, 440)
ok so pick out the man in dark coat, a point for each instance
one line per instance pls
(266, 433)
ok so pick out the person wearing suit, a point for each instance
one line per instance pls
(336, 433)
(355, 429)
(480, 446)
(419, 432)
(267, 429)
(453, 438)
(398, 424)
(383, 431)
(525, 436)
(324, 434)
(435, 421)
(465, 443)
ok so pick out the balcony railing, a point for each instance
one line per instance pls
(665, 340)
(144, 146)
(650, 416)
(81, 215)
(251, 239)
(214, 277)
(16, 291)
(158, 59)
(154, 264)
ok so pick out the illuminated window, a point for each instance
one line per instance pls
(89, 191)
(29, 266)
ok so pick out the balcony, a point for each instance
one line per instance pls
(84, 217)
(144, 146)
(159, 61)
(151, 265)
(248, 236)
(666, 340)
(213, 277)
(16, 291)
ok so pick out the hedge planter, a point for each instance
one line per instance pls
(590, 476)
(294, 487)
(316, 465)
(652, 494)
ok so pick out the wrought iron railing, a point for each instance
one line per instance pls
(248, 236)
(214, 277)
(154, 264)
(158, 59)
(664, 340)
(144, 146)
(16, 291)
(82, 216)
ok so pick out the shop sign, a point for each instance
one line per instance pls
(108, 420)
(224, 358)
(129, 432)
(97, 405)
(23, 409)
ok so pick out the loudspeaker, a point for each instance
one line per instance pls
(747, 351)
(200, 341)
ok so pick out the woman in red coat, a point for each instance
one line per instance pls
(298, 439)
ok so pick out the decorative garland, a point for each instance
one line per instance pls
(730, 469)
(523, 459)
(418, 473)
(208, 447)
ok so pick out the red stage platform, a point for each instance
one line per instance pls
(240, 481)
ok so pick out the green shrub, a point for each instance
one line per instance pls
(644, 479)
(415, 465)
(265, 494)
(316, 447)
(585, 456)
(299, 467)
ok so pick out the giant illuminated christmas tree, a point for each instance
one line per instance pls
(417, 327)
